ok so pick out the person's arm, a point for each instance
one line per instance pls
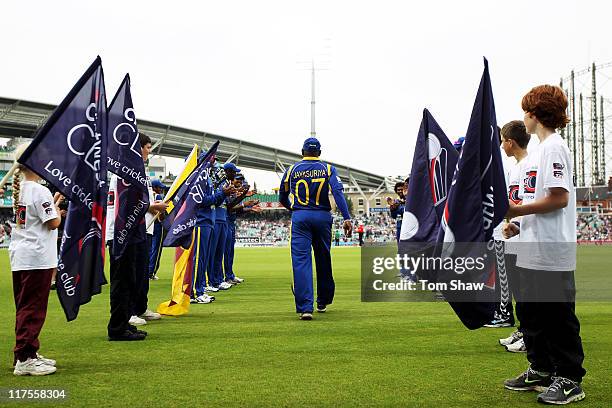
(283, 191)
(338, 192)
(235, 201)
(557, 198)
(47, 208)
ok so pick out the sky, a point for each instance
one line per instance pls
(240, 68)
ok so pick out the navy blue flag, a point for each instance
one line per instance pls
(433, 166)
(180, 222)
(69, 151)
(477, 201)
(125, 160)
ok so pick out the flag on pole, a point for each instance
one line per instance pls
(180, 222)
(182, 278)
(432, 171)
(69, 151)
(185, 258)
(125, 160)
(477, 202)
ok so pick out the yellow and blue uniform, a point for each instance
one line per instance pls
(304, 190)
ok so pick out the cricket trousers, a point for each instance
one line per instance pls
(31, 292)
(311, 229)
(124, 284)
(215, 263)
(551, 330)
(203, 237)
(228, 256)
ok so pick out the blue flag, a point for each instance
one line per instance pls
(477, 201)
(125, 160)
(69, 151)
(433, 166)
(180, 222)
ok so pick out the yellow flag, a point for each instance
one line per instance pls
(188, 167)
(184, 258)
(184, 266)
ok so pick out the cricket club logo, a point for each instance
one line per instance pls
(530, 181)
(438, 159)
(513, 194)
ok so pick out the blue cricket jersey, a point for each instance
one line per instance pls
(306, 186)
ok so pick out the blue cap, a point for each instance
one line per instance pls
(231, 166)
(311, 144)
(158, 184)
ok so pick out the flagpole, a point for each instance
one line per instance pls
(9, 174)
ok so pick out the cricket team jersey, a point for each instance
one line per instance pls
(548, 241)
(306, 186)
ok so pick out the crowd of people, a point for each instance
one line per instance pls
(593, 227)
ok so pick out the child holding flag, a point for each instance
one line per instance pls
(33, 256)
(546, 259)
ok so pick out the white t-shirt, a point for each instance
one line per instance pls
(507, 164)
(514, 194)
(148, 216)
(33, 245)
(548, 241)
(110, 208)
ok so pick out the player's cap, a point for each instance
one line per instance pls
(232, 167)
(157, 183)
(311, 144)
(239, 177)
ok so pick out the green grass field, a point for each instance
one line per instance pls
(249, 348)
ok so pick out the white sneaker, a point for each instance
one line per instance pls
(515, 336)
(224, 286)
(137, 321)
(150, 315)
(33, 366)
(517, 347)
(47, 361)
(203, 299)
(237, 280)
(211, 289)
(306, 316)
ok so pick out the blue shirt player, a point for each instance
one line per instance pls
(304, 191)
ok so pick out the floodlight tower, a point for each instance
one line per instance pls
(313, 132)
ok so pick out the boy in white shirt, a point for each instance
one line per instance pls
(546, 258)
(514, 143)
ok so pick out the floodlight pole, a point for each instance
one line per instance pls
(313, 132)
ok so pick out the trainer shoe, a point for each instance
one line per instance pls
(47, 361)
(517, 347)
(224, 286)
(203, 299)
(150, 315)
(33, 366)
(137, 321)
(154, 277)
(306, 316)
(211, 289)
(530, 380)
(128, 336)
(321, 308)
(562, 391)
(515, 336)
(133, 329)
(237, 280)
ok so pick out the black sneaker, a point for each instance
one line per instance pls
(530, 380)
(127, 336)
(321, 308)
(134, 329)
(562, 391)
